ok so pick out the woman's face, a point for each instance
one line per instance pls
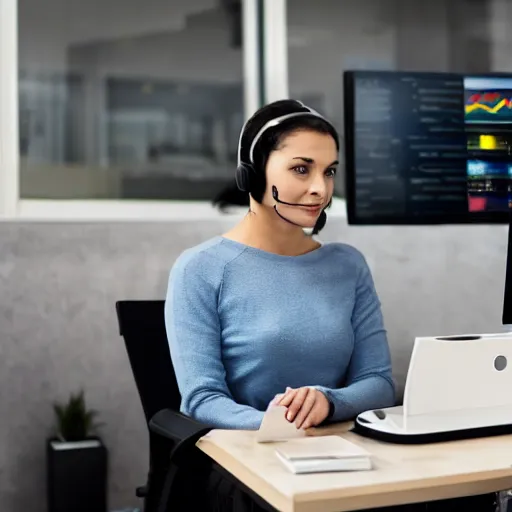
(302, 170)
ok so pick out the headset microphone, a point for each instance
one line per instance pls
(275, 195)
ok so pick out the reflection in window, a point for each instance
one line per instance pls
(326, 37)
(129, 99)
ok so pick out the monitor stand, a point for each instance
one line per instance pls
(507, 296)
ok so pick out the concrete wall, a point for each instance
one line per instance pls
(58, 327)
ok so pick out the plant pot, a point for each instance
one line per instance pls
(76, 476)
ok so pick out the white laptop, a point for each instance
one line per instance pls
(456, 387)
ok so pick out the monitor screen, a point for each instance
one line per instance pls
(427, 148)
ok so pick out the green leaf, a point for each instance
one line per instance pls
(74, 422)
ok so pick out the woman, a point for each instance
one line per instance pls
(265, 313)
(265, 309)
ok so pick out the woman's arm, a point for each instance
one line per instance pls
(193, 330)
(369, 383)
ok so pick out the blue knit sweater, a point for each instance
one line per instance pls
(243, 324)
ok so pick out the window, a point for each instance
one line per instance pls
(129, 99)
(326, 37)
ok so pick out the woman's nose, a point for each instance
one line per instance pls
(318, 186)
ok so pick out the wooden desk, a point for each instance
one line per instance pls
(402, 474)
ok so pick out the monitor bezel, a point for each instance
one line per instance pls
(349, 158)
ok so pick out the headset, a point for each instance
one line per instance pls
(247, 177)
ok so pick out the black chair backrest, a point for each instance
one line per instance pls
(142, 325)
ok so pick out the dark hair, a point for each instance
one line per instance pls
(269, 142)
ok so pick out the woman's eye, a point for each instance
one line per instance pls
(330, 172)
(300, 169)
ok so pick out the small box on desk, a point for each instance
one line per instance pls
(322, 454)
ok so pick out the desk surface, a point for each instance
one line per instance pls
(402, 474)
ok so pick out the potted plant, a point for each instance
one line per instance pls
(76, 460)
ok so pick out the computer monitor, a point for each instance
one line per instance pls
(427, 148)
(507, 297)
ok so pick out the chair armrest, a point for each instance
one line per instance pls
(182, 430)
(180, 433)
(176, 426)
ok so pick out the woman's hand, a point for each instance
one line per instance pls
(307, 406)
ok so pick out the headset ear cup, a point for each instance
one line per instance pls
(320, 223)
(243, 177)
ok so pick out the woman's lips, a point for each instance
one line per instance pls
(313, 209)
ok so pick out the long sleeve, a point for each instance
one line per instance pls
(369, 383)
(194, 334)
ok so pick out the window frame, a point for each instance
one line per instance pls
(9, 149)
(275, 47)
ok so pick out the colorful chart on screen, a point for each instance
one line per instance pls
(488, 120)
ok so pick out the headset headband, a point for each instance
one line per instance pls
(271, 124)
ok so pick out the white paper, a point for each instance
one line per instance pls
(275, 427)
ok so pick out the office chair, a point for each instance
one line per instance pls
(175, 465)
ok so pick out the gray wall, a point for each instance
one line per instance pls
(58, 329)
